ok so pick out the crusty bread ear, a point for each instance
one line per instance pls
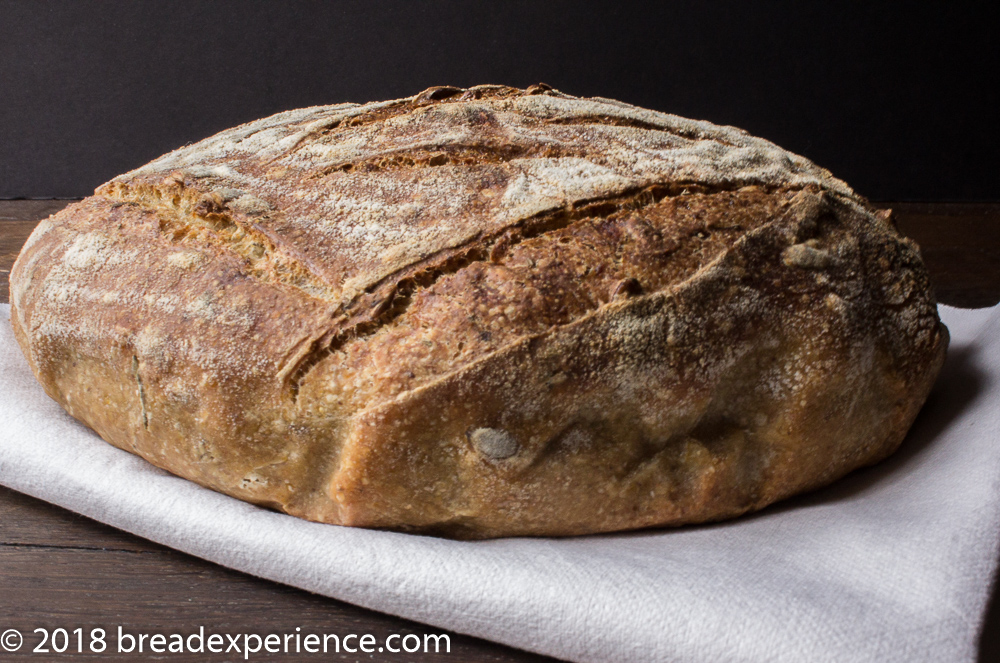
(484, 312)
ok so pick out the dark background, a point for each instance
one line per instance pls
(898, 100)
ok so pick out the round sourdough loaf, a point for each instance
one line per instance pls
(484, 312)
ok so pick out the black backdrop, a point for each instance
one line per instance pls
(899, 101)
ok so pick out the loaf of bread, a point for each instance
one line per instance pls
(484, 312)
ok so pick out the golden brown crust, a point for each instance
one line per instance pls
(484, 312)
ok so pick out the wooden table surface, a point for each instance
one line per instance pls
(61, 570)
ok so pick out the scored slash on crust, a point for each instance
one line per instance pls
(536, 330)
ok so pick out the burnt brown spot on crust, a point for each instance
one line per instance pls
(627, 287)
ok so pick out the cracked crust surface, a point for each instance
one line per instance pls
(484, 312)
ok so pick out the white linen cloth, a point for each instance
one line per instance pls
(893, 563)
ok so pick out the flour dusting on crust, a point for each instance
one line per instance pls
(484, 312)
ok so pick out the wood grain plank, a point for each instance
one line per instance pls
(166, 592)
(960, 244)
(17, 219)
(26, 521)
